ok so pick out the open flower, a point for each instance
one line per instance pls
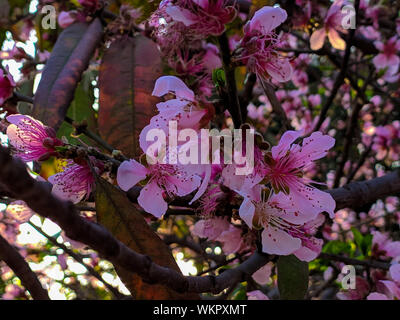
(203, 17)
(388, 58)
(285, 229)
(258, 48)
(76, 182)
(173, 180)
(7, 86)
(183, 109)
(288, 162)
(31, 139)
(332, 24)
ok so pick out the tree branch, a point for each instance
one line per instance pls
(14, 176)
(358, 194)
(233, 98)
(276, 105)
(79, 259)
(340, 77)
(21, 269)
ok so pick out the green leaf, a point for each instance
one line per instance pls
(80, 109)
(218, 77)
(337, 247)
(292, 278)
(358, 238)
(125, 222)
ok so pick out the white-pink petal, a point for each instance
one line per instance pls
(130, 173)
(246, 212)
(152, 201)
(181, 15)
(284, 144)
(280, 69)
(277, 241)
(267, 19)
(395, 272)
(317, 39)
(306, 254)
(167, 84)
(336, 40)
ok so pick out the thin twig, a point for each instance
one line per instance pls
(79, 259)
(21, 269)
(351, 261)
(340, 77)
(233, 98)
(276, 105)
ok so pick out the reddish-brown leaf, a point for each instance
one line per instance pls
(128, 72)
(124, 221)
(69, 59)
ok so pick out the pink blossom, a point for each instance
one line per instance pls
(377, 296)
(19, 211)
(211, 59)
(284, 228)
(7, 86)
(263, 275)
(332, 24)
(74, 183)
(12, 291)
(388, 58)
(382, 246)
(203, 17)
(31, 139)
(395, 272)
(231, 240)
(184, 109)
(390, 288)
(210, 228)
(89, 5)
(16, 53)
(288, 162)
(258, 48)
(174, 180)
(256, 295)
(209, 202)
(359, 293)
(65, 19)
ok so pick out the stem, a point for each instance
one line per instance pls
(79, 259)
(21, 269)
(233, 98)
(91, 135)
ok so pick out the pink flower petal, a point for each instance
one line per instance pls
(152, 201)
(284, 144)
(262, 275)
(395, 272)
(256, 295)
(167, 84)
(279, 69)
(317, 39)
(313, 148)
(377, 296)
(306, 254)
(380, 61)
(336, 41)
(130, 173)
(246, 212)
(267, 19)
(181, 15)
(277, 241)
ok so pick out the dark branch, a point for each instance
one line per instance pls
(233, 98)
(340, 77)
(21, 269)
